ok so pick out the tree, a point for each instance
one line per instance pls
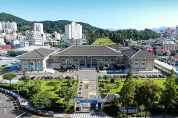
(41, 100)
(128, 90)
(137, 77)
(56, 86)
(169, 94)
(9, 76)
(67, 93)
(147, 94)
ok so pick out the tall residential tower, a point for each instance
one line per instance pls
(73, 31)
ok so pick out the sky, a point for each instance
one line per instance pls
(116, 14)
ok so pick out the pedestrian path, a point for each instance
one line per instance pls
(88, 115)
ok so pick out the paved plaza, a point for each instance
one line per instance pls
(88, 88)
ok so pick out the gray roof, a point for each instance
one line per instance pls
(109, 97)
(37, 53)
(136, 53)
(89, 50)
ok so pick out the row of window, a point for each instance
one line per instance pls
(141, 63)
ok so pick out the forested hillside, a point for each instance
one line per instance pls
(49, 26)
(92, 32)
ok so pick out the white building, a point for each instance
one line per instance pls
(73, 31)
(1, 40)
(34, 38)
(8, 27)
(38, 27)
(57, 36)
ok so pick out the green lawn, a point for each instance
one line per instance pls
(48, 85)
(116, 89)
(103, 41)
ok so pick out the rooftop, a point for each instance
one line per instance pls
(169, 42)
(136, 53)
(37, 53)
(89, 50)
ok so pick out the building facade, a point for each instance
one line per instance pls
(73, 31)
(8, 27)
(87, 56)
(38, 27)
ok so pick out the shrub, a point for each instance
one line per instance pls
(137, 77)
(112, 80)
(138, 114)
(74, 65)
(62, 67)
(107, 82)
(134, 115)
(124, 115)
(119, 115)
(106, 65)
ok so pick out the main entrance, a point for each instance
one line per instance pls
(88, 62)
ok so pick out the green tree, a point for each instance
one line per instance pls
(169, 94)
(41, 100)
(137, 77)
(56, 86)
(9, 76)
(148, 93)
(128, 90)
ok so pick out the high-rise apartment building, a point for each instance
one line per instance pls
(8, 27)
(38, 27)
(73, 31)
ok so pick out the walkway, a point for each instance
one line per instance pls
(88, 88)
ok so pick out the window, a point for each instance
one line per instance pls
(24, 63)
(143, 59)
(25, 69)
(142, 63)
(136, 59)
(136, 63)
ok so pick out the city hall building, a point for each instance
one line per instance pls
(86, 56)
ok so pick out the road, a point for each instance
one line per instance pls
(7, 70)
(8, 108)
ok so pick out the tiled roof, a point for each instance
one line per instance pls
(109, 97)
(37, 53)
(136, 53)
(89, 50)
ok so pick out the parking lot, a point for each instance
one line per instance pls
(8, 108)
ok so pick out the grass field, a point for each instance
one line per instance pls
(48, 85)
(103, 41)
(116, 89)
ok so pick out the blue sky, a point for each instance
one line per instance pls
(117, 14)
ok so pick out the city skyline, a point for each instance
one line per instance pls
(104, 14)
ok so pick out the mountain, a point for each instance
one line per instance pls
(162, 28)
(49, 26)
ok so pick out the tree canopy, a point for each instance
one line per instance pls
(9, 76)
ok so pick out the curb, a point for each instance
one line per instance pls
(21, 110)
